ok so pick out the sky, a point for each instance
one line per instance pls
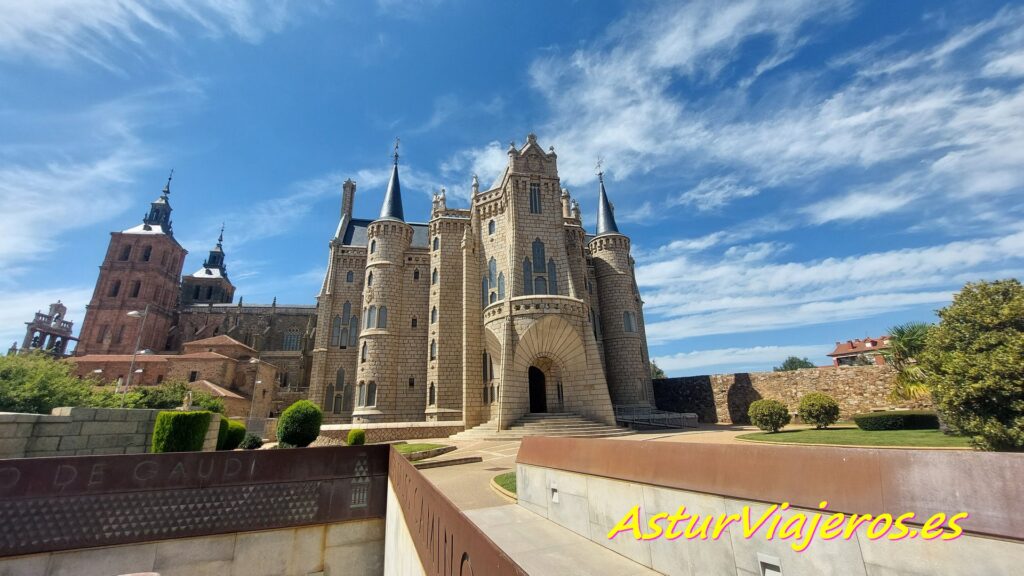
(792, 173)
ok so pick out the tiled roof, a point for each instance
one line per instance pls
(859, 346)
(219, 340)
(205, 356)
(215, 390)
(123, 358)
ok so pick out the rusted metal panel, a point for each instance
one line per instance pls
(51, 504)
(447, 542)
(987, 486)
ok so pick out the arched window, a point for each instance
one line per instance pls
(492, 272)
(491, 227)
(137, 287)
(431, 395)
(373, 246)
(344, 338)
(328, 396)
(437, 242)
(346, 310)
(501, 286)
(493, 298)
(363, 353)
(361, 401)
(353, 330)
(350, 277)
(628, 321)
(433, 349)
(534, 198)
(369, 279)
(414, 321)
(291, 340)
(371, 317)
(433, 315)
(540, 285)
(336, 331)
(371, 394)
(126, 253)
(115, 289)
(339, 387)
(552, 277)
(147, 252)
(538, 256)
(433, 276)
(527, 277)
(382, 317)
(416, 274)
(483, 291)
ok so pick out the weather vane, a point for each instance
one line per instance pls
(397, 142)
(600, 162)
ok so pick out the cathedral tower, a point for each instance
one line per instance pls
(209, 284)
(141, 269)
(621, 311)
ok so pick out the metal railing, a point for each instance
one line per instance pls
(646, 417)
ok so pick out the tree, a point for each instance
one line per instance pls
(657, 373)
(906, 343)
(794, 363)
(36, 383)
(973, 363)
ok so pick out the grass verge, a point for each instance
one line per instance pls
(853, 436)
(407, 448)
(506, 481)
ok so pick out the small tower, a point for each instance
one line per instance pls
(50, 333)
(623, 334)
(210, 284)
(142, 269)
(378, 392)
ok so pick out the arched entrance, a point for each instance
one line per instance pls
(538, 394)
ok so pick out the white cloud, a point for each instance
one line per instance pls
(857, 205)
(756, 358)
(714, 193)
(487, 162)
(20, 306)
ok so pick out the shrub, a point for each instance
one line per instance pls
(299, 423)
(973, 364)
(180, 431)
(283, 445)
(356, 437)
(250, 442)
(36, 383)
(818, 409)
(230, 434)
(769, 415)
(897, 420)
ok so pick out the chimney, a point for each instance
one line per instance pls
(348, 194)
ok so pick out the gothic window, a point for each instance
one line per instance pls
(493, 298)
(538, 256)
(346, 310)
(414, 321)
(433, 276)
(483, 291)
(494, 392)
(336, 331)
(369, 279)
(363, 353)
(350, 277)
(628, 321)
(291, 341)
(136, 288)
(437, 242)
(329, 394)
(527, 277)
(147, 252)
(492, 272)
(120, 334)
(491, 227)
(373, 246)
(433, 315)
(115, 289)
(371, 394)
(353, 330)
(371, 317)
(346, 398)
(416, 274)
(126, 253)
(336, 405)
(362, 394)
(552, 277)
(534, 198)
(344, 338)
(485, 394)
(540, 285)
(382, 317)
(501, 286)
(431, 395)
(339, 387)
(433, 349)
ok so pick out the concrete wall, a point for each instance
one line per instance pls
(83, 431)
(726, 398)
(400, 556)
(351, 548)
(591, 505)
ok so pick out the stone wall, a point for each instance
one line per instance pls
(83, 431)
(389, 431)
(725, 398)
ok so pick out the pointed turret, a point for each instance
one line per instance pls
(605, 215)
(216, 258)
(160, 211)
(392, 207)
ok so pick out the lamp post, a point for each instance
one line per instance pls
(135, 351)
(252, 401)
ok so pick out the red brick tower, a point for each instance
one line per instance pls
(142, 268)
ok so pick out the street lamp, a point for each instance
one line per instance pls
(252, 399)
(135, 351)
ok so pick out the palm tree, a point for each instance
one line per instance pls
(906, 342)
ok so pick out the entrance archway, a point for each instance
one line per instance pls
(538, 393)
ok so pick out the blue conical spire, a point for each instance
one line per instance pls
(605, 216)
(392, 207)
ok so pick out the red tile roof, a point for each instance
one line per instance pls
(219, 340)
(859, 346)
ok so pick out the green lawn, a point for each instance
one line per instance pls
(407, 448)
(506, 481)
(851, 435)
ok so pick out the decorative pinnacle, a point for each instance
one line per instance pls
(600, 170)
(167, 187)
(220, 239)
(397, 142)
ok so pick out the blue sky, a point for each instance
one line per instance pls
(792, 172)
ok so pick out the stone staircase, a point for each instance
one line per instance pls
(544, 424)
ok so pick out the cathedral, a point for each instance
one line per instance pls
(481, 314)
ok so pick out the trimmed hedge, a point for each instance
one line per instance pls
(222, 433)
(300, 424)
(768, 415)
(898, 420)
(232, 435)
(250, 442)
(819, 409)
(180, 431)
(356, 437)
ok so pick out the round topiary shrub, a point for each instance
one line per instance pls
(768, 415)
(180, 431)
(250, 442)
(898, 420)
(818, 409)
(299, 424)
(356, 437)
